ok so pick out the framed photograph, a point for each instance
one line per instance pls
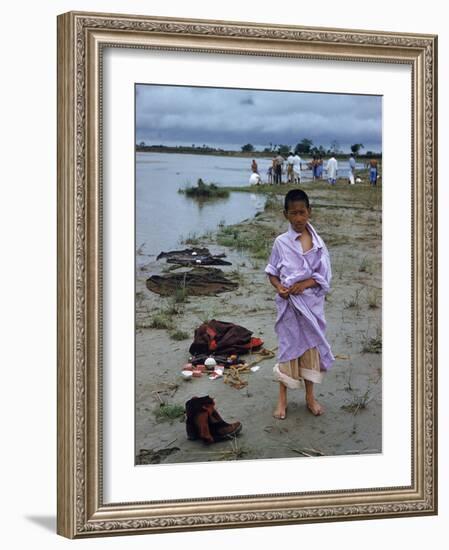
(246, 274)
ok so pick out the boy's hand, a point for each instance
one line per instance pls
(300, 286)
(283, 292)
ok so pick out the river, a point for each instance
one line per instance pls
(164, 216)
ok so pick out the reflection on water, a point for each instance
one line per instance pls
(163, 215)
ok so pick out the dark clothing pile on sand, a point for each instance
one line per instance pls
(196, 282)
(224, 338)
(199, 281)
(193, 256)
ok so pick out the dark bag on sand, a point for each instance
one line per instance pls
(219, 337)
(204, 422)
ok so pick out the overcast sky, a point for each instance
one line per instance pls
(229, 118)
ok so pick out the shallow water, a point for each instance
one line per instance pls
(164, 216)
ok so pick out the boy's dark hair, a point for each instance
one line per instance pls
(296, 195)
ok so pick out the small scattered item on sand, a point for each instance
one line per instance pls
(233, 376)
(191, 256)
(210, 363)
(200, 367)
(255, 368)
(165, 389)
(187, 374)
(308, 452)
(358, 180)
(224, 360)
(217, 373)
(198, 281)
(204, 422)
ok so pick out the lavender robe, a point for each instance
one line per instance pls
(300, 323)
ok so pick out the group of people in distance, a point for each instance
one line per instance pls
(275, 171)
(293, 165)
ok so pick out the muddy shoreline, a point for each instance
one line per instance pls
(349, 220)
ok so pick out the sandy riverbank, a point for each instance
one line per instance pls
(349, 220)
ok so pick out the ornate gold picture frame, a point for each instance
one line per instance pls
(82, 508)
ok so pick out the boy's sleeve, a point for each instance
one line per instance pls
(272, 267)
(323, 274)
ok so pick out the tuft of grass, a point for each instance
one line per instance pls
(373, 299)
(192, 239)
(180, 296)
(161, 320)
(235, 452)
(357, 403)
(207, 236)
(354, 300)
(173, 308)
(273, 203)
(224, 240)
(179, 335)
(204, 191)
(142, 324)
(235, 274)
(258, 246)
(261, 250)
(372, 345)
(229, 230)
(169, 413)
(365, 266)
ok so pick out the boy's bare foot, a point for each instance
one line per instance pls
(280, 412)
(314, 407)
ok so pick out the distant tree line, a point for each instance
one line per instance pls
(305, 147)
(142, 147)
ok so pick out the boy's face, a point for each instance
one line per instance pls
(298, 215)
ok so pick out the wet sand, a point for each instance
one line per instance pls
(349, 220)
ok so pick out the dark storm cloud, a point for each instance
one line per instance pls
(221, 118)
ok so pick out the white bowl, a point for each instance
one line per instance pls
(187, 374)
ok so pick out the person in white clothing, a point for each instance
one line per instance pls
(332, 169)
(351, 173)
(297, 168)
(254, 179)
(290, 163)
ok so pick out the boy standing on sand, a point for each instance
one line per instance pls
(299, 269)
